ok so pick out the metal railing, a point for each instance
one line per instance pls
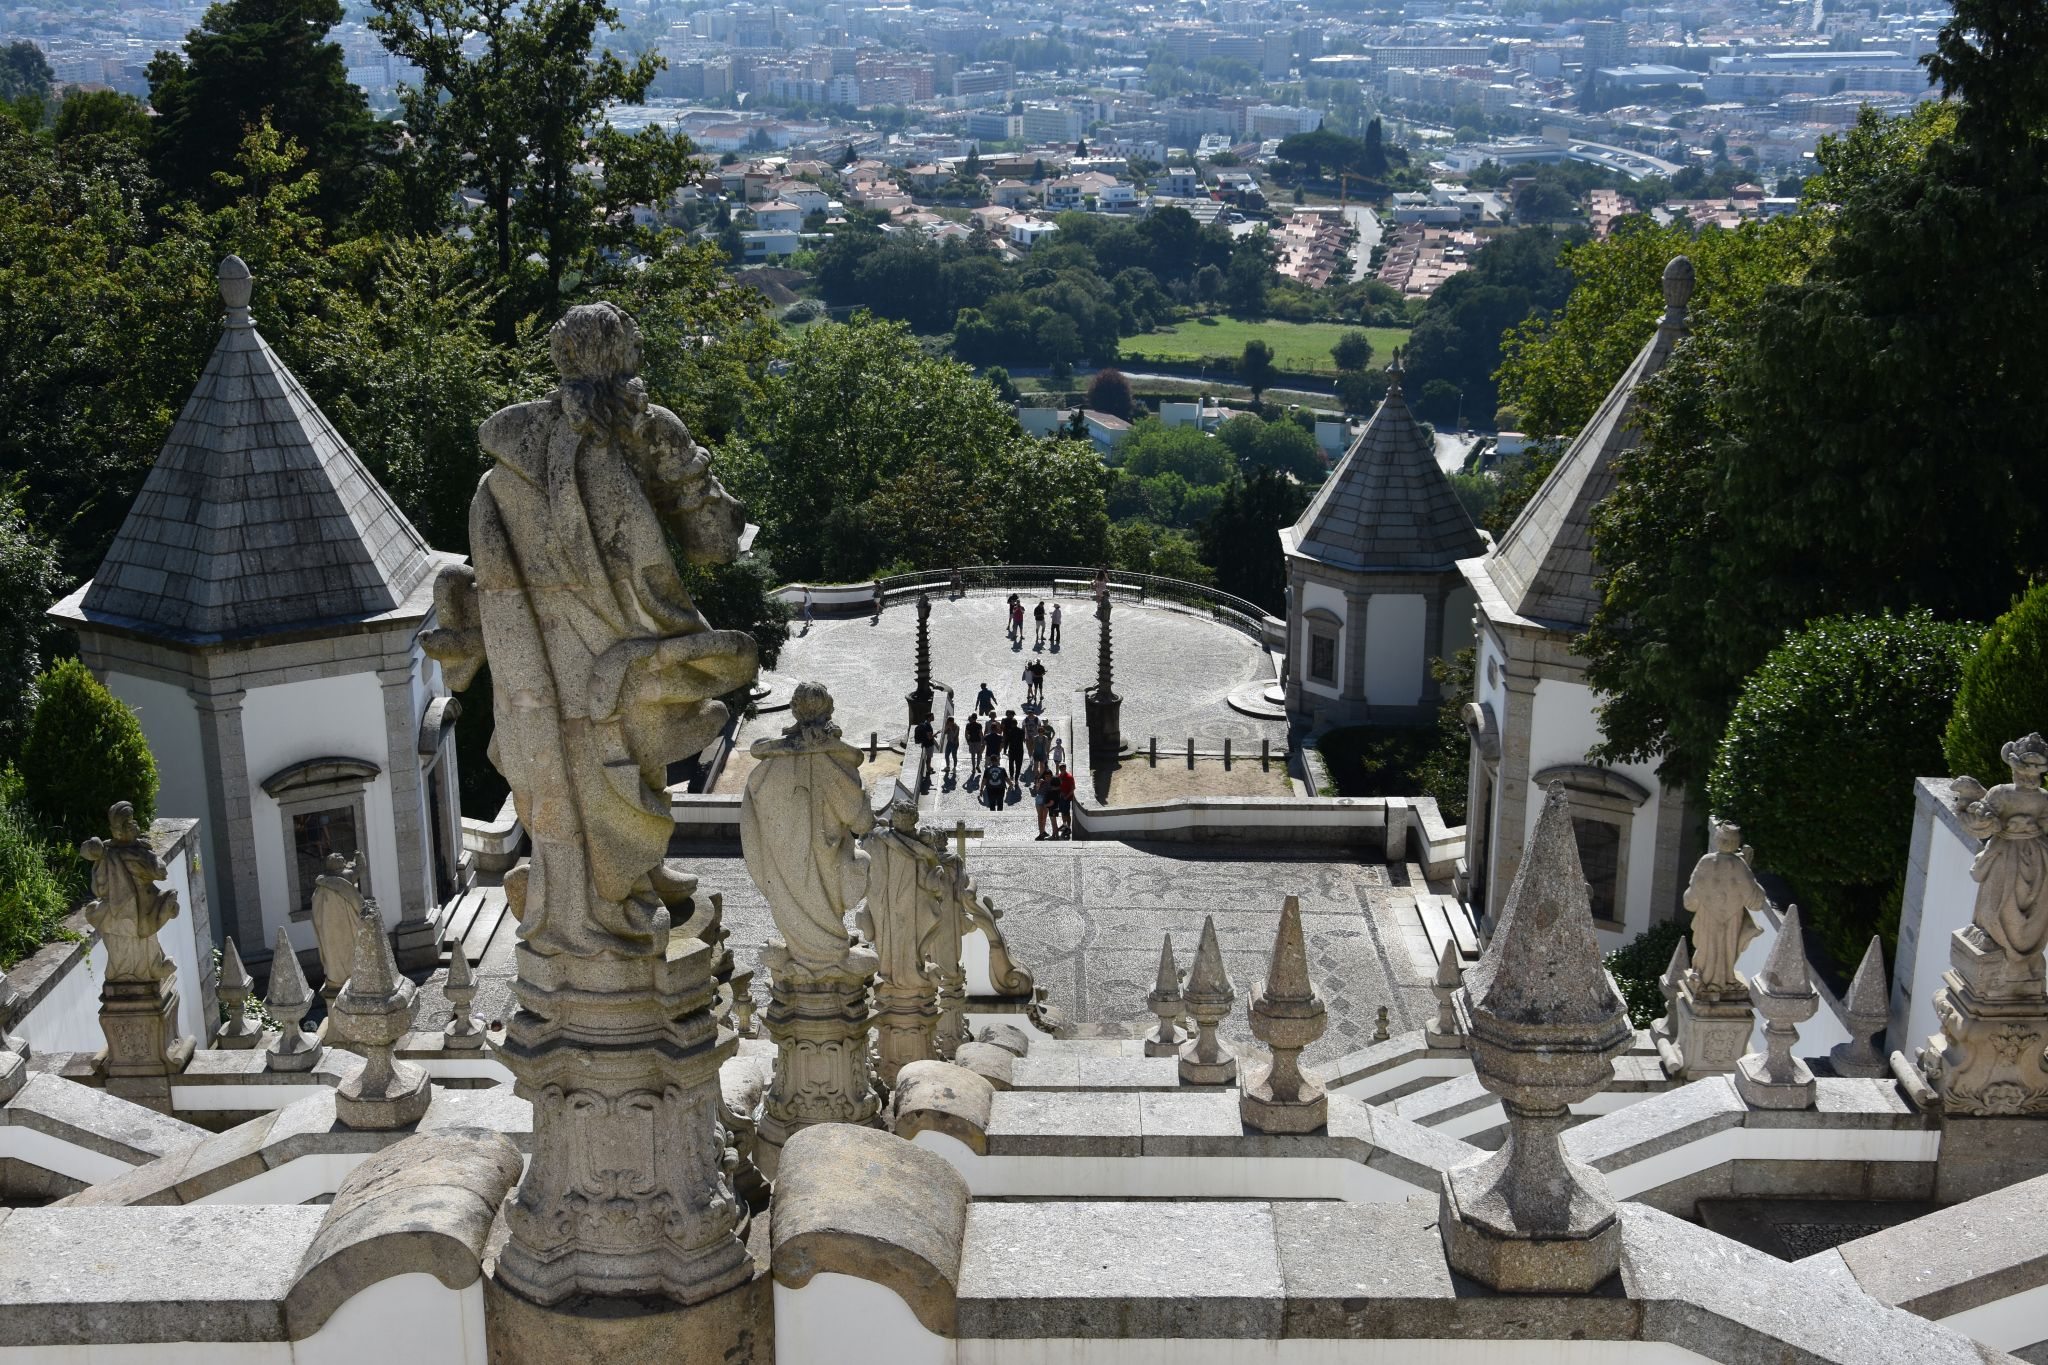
(1231, 610)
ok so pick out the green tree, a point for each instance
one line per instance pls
(32, 900)
(1353, 351)
(1283, 447)
(1241, 539)
(83, 752)
(1051, 506)
(24, 72)
(1249, 277)
(1255, 367)
(2004, 691)
(1209, 284)
(1853, 707)
(252, 60)
(104, 114)
(1360, 391)
(28, 584)
(1110, 392)
(1152, 448)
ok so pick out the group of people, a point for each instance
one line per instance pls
(1045, 624)
(1009, 757)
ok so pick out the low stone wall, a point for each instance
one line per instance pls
(1393, 827)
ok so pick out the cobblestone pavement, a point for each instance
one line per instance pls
(1174, 669)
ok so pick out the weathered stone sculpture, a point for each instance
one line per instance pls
(1864, 1013)
(1544, 1022)
(956, 911)
(287, 1001)
(1784, 996)
(139, 999)
(240, 1032)
(1203, 1058)
(337, 904)
(1988, 1058)
(1449, 976)
(1710, 1019)
(604, 672)
(1101, 705)
(907, 890)
(921, 693)
(374, 1011)
(801, 819)
(1165, 1002)
(1286, 1015)
(462, 1032)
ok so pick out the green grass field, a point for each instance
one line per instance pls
(1297, 346)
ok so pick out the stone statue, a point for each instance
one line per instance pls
(1722, 893)
(907, 888)
(336, 904)
(2011, 869)
(800, 826)
(604, 673)
(127, 908)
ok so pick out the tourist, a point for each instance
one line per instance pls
(807, 612)
(1035, 679)
(1041, 800)
(974, 744)
(1041, 744)
(951, 744)
(878, 599)
(1017, 618)
(1038, 622)
(1059, 752)
(985, 701)
(1013, 741)
(1063, 804)
(1102, 583)
(959, 587)
(1055, 638)
(1030, 693)
(992, 783)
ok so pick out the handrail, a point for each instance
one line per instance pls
(1228, 608)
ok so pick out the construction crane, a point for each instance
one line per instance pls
(1344, 179)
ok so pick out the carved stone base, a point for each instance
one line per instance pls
(1164, 1040)
(736, 1327)
(1988, 1058)
(415, 945)
(1710, 1033)
(143, 1052)
(823, 1073)
(1483, 1206)
(906, 1028)
(1263, 1110)
(626, 1194)
(952, 1026)
(1760, 1090)
(1212, 1065)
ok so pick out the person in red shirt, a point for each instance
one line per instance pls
(1063, 806)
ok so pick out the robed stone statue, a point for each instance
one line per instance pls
(800, 826)
(2011, 870)
(127, 908)
(1721, 896)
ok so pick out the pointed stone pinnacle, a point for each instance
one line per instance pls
(239, 1031)
(1166, 986)
(461, 1030)
(375, 974)
(233, 975)
(1208, 983)
(1287, 980)
(1448, 973)
(1785, 971)
(460, 976)
(1681, 963)
(1166, 1037)
(289, 995)
(1868, 994)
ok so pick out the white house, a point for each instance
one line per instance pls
(1026, 232)
(1373, 588)
(1179, 182)
(764, 244)
(261, 610)
(1534, 718)
(779, 215)
(1012, 193)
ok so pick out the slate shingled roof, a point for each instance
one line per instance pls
(1543, 567)
(1388, 505)
(257, 517)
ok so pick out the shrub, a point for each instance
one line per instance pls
(2004, 692)
(84, 751)
(1818, 761)
(1637, 967)
(32, 900)
(1110, 392)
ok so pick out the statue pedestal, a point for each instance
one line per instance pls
(1987, 1059)
(1710, 1033)
(819, 1021)
(735, 1327)
(1104, 712)
(906, 1025)
(143, 1052)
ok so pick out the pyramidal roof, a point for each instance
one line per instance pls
(1543, 567)
(257, 517)
(1388, 505)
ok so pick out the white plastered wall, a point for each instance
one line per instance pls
(170, 722)
(1564, 728)
(1394, 664)
(1312, 596)
(320, 718)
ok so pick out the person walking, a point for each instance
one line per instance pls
(1030, 696)
(1017, 619)
(974, 744)
(985, 701)
(1037, 670)
(923, 741)
(1013, 742)
(807, 612)
(950, 742)
(1063, 805)
(1041, 800)
(1055, 625)
(992, 783)
(1059, 751)
(1031, 733)
(1041, 746)
(1038, 621)
(959, 587)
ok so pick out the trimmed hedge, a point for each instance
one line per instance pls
(83, 752)
(32, 900)
(1819, 759)
(2004, 692)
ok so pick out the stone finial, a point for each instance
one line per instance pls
(1449, 975)
(1203, 1058)
(240, 1031)
(1381, 1025)
(1678, 276)
(1865, 1011)
(288, 1000)
(1783, 994)
(463, 1032)
(1165, 1002)
(1286, 1015)
(236, 284)
(1544, 1022)
(1394, 372)
(374, 1011)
